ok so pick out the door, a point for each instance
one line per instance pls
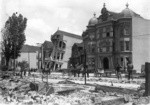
(105, 63)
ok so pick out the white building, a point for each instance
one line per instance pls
(30, 54)
(63, 42)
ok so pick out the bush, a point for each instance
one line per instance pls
(4, 68)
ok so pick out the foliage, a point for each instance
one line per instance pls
(72, 62)
(23, 65)
(13, 36)
(4, 68)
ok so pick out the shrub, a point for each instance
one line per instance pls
(4, 68)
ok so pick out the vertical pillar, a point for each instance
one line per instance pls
(54, 67)
(60, 54)
(147, 79)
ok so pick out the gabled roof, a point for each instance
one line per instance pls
(60, 32)
(29, 48)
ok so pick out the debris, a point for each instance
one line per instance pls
(33, 86)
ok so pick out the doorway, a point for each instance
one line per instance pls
(105, 63)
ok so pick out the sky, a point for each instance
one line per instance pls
(46, 16)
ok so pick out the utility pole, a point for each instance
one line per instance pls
(29, 61)
(85, 66)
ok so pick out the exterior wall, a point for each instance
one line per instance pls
(91, 49)
(69, 43)
(29, 57)
(77, 55)
(123, 34)
(141, 42)
(104, 45)
(62, 48)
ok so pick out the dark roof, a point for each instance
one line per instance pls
(48, 44)
(67, 34)
(114, 15)
(79, 44)
(29, 48)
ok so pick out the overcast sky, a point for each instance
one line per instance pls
(45, 16)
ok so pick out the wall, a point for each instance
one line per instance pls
(29, 57)
(69, 43)
(141, 42)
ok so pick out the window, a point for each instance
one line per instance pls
(62, 55)
(107, 49)
(126, 31)
(93, 49)
(101, 50)
(111, 34)
(57, 36)
(104, 35)
(121, 61)
(110, 49)
(64, 45)
(108, 34)
(127, 46)
(97, 43)
(111, 28)
(104, 49)
(104, 29)
(121, 46)
(60, 44)
(58, 55)
(98, 49)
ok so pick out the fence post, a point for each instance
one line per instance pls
(147, 79)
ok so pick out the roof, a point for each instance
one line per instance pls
(48, 44)
(79, 44)
(126, 13)
(29, 48)
(60, 32)
(114, 15)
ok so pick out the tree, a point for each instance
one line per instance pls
(13, 35)
(24, 66)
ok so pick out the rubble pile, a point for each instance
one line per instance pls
(18, 91)
(124, 81)
(22, 92)
(66, 82)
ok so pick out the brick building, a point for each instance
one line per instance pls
(115, 38)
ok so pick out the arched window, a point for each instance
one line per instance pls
(64, 45)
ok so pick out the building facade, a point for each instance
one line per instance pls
(114, 38)
(63, 42)
(77, 55)
(46, 51)
(30, 55)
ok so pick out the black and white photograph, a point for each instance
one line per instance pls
(74, 52)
